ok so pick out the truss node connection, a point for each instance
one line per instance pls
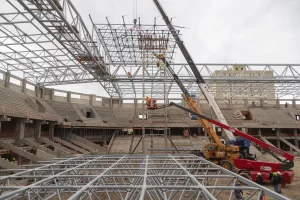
(128, 177)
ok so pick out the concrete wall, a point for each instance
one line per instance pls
(30, 92)
(14, 87)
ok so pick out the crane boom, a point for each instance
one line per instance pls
(200, 81)
(189, 100)
(262, 144)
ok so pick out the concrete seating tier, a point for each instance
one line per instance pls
(124, 116)
(106, 114)
(65, 110)
(16, 100)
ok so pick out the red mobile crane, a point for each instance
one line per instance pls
(250, 168)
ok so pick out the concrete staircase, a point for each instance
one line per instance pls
(20, 151)
(70, 145)
(59, 149)
(37, 146)
(5, 164)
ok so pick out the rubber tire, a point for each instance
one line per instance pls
(226, 164)
(246, 175)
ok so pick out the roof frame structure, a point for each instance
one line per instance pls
(60, 50)
(128, 177)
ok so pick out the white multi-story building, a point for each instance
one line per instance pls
(238, 90)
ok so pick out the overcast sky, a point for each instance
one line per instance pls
(217, 31)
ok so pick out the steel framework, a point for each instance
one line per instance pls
(47, 42)
(129, 177)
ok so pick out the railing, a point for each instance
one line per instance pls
(13, 112)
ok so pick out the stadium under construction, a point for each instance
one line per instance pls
(131, 143)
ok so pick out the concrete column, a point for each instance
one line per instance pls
(230, 102)
(277, 103)
(19, 132)
(91, 99)
(24, 86)
(262, 102)
(135, 103)
(51, 131)
(296, 138)
(7, 79)
(259, 132)
(42, 89)
(37, 131)
(69, 97)
(111, 102)
(0, 126)
(277, 137)
(246, 103)
(37, 90)
(51, 94)
(294, 105)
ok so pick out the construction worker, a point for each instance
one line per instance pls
(259, 179)
(238, 193)
(279, 181)
(275, 182)
(13, 160)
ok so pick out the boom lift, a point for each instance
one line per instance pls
(200, 81)
(250, 168)
(216, 151)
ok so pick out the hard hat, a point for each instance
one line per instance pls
(13, 159)
(259, 174)
(275, 173)
(278, 172)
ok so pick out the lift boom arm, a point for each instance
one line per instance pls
(200, 81)
(262, 144)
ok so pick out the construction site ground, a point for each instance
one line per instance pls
(291, 191)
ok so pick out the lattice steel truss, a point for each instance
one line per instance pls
(129, 177)
(47, 42)
(131, 47)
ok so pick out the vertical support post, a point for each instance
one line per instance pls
(0, 126)
(24, 86)
(52, 94)
(37, 90)
(259, 132)
(7, 79)
(296, 138)
(246, 103)
(19, 132)
(51, 131)
(37, 131)
(294, 103)
(92, 98)
(262, 102)
(277, 137)
(230, 102)
(277, 103)
(69, 97)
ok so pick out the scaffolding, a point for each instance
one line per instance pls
(128, 177)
